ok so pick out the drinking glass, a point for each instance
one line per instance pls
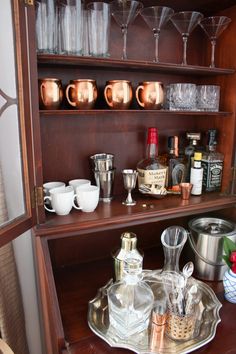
(98, 28)
(208, 97)
(185, 22)
(46, 26)
(70, 19)
(182, 97)
(213, 27)
(129, 178)
(124, 12)
(156, 17)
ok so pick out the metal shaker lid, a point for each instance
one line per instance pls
(128, 241)
(212, 226)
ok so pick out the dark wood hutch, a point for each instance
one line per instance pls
(73, 253)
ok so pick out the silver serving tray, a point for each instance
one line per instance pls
(98, 321)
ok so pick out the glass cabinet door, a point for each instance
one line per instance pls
(16, 133)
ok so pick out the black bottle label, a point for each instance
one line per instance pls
(212, 175)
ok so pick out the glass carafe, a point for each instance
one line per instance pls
(173, 239)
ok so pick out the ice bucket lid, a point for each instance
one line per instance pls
(212, 226)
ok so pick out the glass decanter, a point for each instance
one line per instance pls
(130, 301)
(173, 239)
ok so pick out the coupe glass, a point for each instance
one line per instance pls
(213, 27)
(185, 22)
(124, 12)
(156, 17)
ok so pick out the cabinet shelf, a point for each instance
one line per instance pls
(131, 65)
(76, 112)
(115, 215)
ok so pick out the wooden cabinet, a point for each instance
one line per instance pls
(73, 252)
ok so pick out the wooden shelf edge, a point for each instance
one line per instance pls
(76, 112)
(154, 211)
(105, 63)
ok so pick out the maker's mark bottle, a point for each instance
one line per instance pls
(151, 173)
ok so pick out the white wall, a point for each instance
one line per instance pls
(25, 265)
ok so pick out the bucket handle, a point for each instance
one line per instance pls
(192, 244)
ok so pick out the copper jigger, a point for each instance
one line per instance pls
(150, 94)
(185, 190)
(50, 93)
(118, 94)
(82, 93)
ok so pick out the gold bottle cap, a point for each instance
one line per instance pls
(197, 156)
(128, 241)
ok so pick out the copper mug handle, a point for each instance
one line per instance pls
(141, 87)
(42, 86)
(110, 104)
(67, 95)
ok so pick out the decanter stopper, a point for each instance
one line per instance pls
(128, 249)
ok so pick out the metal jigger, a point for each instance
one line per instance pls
(130, 178)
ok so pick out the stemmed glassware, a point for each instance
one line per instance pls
(156, 17)
(185, 22)
(124, 12)
(213, 27)
(130, 178)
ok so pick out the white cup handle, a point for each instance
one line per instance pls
(51, 210)
(73, 202)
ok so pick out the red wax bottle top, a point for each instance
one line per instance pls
(152, 136)
(233, 257)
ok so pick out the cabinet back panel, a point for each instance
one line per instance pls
(67, 142)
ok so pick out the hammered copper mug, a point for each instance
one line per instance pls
(82, 93)
(150, 94)
(118, 94)
(50, 93)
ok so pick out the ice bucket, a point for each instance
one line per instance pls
(206, 241)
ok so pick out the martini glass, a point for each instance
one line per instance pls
(156, 17)
(213, 27)
(124, 13)
(185, 22)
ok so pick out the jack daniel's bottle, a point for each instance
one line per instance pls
(151, 173)
(212, 163)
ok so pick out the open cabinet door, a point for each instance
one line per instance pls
(19, 151)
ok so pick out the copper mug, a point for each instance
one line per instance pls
(118, 94)
(82, 93)
(50, 93)
(150, 94)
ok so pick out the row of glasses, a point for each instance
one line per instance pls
(71, 29)
(124, 12)
(67, 27)
(191, 97)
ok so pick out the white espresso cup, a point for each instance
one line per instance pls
(51, 185)
(87, 198)
(61, 200)
(79, 182)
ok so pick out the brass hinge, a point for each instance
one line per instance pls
(29, 2)
(37, 197)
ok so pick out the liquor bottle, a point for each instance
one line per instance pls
(196, 174)
(130, 301)
(151, 173)
(189, 151)
(128, 248)
(212, 163)
(176, 164)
